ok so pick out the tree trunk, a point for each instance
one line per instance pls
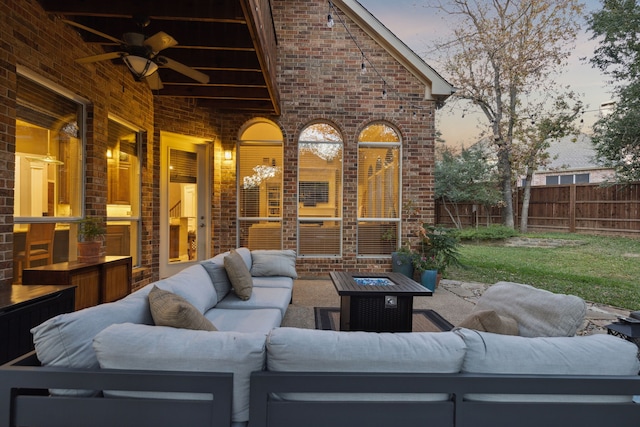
(524, 215)
(504, 166)
(453, 219)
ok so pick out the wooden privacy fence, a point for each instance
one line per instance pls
(575, 208)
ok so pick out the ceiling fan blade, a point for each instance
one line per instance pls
(101, 57)
(91, 30)
(154, 82)
(160, 41)
(196, 75)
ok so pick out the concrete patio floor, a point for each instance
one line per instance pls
(453, 300)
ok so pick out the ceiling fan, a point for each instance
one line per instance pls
(140, 54)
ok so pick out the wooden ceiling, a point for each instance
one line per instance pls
(232, 41)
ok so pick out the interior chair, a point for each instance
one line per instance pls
(38, 246)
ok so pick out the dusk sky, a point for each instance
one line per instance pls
(418, 25)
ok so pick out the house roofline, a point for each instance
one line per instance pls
(437, 87)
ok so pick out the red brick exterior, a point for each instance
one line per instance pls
(318, 79)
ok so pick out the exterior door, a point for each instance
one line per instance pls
(184, 201)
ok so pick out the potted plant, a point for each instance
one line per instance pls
(426, 270)
(440, 247)
(90, 235)
(402, 261)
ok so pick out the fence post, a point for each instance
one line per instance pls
(572, 208)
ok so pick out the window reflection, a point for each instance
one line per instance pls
(48, 153)
(123, 190)
(320, 191)
(378, 190)
(260, 161)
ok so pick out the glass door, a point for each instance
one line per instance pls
(184, 217)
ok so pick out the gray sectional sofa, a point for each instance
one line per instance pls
(111, 365)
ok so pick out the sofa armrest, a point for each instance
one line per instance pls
(267, 410)
(24, 399)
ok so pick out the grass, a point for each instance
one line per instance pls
(601, 269)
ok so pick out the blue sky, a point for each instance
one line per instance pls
(418, 25)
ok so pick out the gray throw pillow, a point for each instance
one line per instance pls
(239, 275)
(169, 309)
(265, 263)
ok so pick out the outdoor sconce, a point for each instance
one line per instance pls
(228, 155)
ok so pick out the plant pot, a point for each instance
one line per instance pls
(89, 252)
(428, 279)
(402, 263)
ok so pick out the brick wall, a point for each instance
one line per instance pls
(46, 47)
(318, 77)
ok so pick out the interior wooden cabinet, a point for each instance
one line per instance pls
(118, 177)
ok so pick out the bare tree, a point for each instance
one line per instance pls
(547, 123)
(503, 52)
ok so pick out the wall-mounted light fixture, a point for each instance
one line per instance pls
(109, 153)
(228, 155)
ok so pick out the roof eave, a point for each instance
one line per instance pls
(437, 88)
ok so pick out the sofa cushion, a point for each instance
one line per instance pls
(260, 298)
(245, 253)
(128, 346)
(194, 285)
(599, 354)
(239, 275)
(169, 309)
(539, 313)
(490, 321)
(257, 320)
(274, 263)
(309, 350)
(65, 340)
(218, 276)
(273, 282)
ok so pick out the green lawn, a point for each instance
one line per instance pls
(603, 269)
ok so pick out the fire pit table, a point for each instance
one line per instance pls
(376, 302)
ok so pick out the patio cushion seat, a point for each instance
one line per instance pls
(489, 353)
(260, 298)
(259, 320)
(129, 346)
(311, 350)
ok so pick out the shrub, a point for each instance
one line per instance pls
(492, 232)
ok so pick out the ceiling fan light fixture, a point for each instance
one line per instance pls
(139, 66)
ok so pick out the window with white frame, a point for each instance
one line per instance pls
(579, 178)
(320, 149)
(123, 189)
(260, 186)
(379, 153)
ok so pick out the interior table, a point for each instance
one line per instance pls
(376, 302)
(106, 280)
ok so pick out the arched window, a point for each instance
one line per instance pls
(260, 186)
(320, 191)
(378, 190)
